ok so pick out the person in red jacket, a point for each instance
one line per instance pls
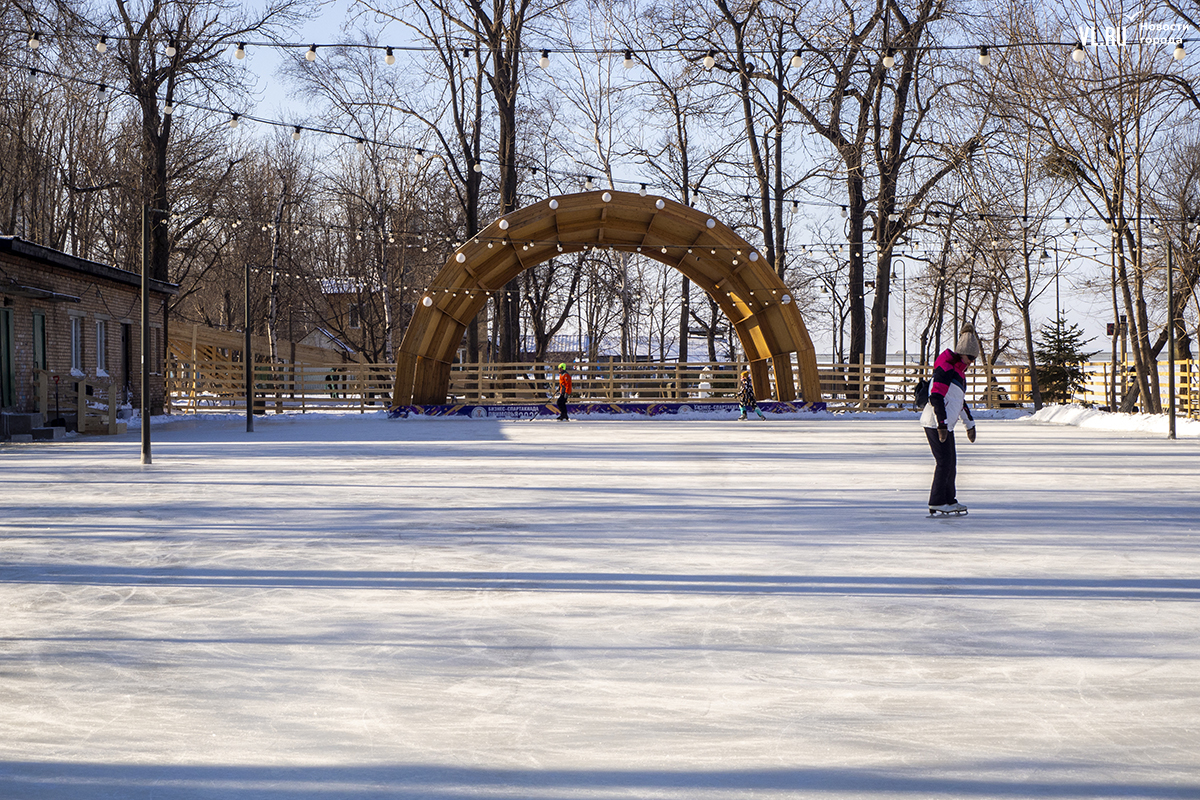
(947, 405)
(564, 391)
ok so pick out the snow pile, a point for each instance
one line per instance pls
(1084, 417)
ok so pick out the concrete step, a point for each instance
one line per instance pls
(13, 422)
(49, 433)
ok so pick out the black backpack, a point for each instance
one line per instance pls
(921, 392)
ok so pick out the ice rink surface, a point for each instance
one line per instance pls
(356, 607)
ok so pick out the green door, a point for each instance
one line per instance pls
(8, 367)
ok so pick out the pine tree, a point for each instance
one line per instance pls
(1059, 356)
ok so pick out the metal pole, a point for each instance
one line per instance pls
(146, 355)
(1170, 344)
(248, 360)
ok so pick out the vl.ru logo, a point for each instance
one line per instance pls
(1113, 35)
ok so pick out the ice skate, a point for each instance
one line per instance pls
(742, 417)
(948, 510)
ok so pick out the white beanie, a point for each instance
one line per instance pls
(968, 342)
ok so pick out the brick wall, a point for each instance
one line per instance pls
(39, 281)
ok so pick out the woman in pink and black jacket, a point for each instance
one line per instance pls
(947, 404)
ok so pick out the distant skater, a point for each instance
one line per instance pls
(947, 403)
(564, 391)
(746, 399)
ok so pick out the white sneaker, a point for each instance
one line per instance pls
(949, 508)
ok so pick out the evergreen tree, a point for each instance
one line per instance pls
(1059, 357)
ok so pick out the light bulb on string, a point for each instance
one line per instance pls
(420, 156)
(544, 61)
(1180, 53)
(628, 59)
(296, 133)
(984, 58)
(889, 60)
(168, 108)
(361, 146)
(233, 121)
(389, 57)
(1077, 54)
(478, 167)
(101, 92)
(171, 49)
(240, 52)
(710, 60)
(102, 45)
(587, 184)
(642, 191)
(797, 60)
(311, 55)
(35, 40)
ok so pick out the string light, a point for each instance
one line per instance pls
(389, 57)
(233, 122)
(984, 58)
(544, 61)
(101, 92)
(171, 49)
(102, 45)
(889, 60)
(168, 108)
(797, 61)
(710, 60)
(296, 133)
(311, 55)
(35, 40)
(1180, 53)
(1077, 54)
(628, 59)
(240, 52)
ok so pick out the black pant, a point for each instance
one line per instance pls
(942, 491)
(561, 402)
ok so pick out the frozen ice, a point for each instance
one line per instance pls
(356, 607)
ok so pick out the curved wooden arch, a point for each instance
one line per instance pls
(708, 252)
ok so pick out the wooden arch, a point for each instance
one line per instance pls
(708, 252)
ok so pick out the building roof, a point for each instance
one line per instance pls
(48, 255)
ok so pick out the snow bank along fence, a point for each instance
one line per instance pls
(89, 405)
(218, 385)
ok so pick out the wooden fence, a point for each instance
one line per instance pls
(91, 402)
(219, 385)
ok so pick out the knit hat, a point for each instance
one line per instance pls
(968, 342)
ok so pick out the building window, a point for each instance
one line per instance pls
(101, 348)
(39, 340)
(77, 345)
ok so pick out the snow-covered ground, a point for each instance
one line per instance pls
(356, 607)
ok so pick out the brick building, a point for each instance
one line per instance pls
(79, 319)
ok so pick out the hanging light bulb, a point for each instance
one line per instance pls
(102, 45)
(478, 167)
(642, 191)
(628, 59)
(296, 133)
(1077, 54)
(1180, 53)
(233, 122)
(240, 52)
(889, 60)
(101, 92)
(544, 61)
(168, 108)
(420, 156)
(984, 58)
(710, 60)
(587, 184)
(843, 212)
(311, 55)
(361, 146)
(797, 61)
(171, 49)
(35, 40)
